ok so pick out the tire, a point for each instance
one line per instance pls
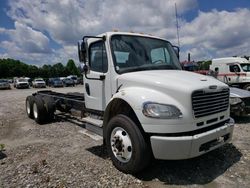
(39, 111)
(124, 138)
(50, 107)
(247, 87)
(29, 106)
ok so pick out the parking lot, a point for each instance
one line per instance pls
(64, 154)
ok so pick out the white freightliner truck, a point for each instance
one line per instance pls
(137, 97)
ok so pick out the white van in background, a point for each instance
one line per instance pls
(232, 70)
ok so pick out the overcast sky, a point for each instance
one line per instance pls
(46, 31)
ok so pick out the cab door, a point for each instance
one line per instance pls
(97, 81)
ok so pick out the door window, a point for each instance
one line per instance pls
(234, 68)
(98, 57)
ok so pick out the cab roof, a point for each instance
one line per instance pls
(111, 33)
(230, 60)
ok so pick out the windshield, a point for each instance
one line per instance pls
(245, 67)
(38, 80)
(22, 80)
(136, 53)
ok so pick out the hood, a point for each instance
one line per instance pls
(40, 82)
(241, 93)
(22, 82)
(169, 80)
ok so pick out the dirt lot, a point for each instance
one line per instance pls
(64, 154)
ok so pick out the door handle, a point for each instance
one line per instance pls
(87, 88)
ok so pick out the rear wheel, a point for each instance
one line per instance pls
(39, 110)
(29, 106)
(126, 145)
(50, 107)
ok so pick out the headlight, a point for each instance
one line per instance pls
(164, 111)
(234, 100)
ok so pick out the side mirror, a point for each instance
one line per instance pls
(82, 51)
(177, 51)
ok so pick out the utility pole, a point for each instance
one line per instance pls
(177, 25)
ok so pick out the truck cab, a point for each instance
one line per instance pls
(232, 71)
(137, 83)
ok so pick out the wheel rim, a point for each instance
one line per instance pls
(35, 111)
(121, 144)
(28, 107)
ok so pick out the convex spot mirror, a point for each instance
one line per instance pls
(84, 68)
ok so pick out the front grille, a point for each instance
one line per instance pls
(208, 103)
(23, 84)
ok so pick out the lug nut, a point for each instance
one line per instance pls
(123, 133)
(129, 149)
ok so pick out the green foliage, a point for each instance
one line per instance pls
(72, 69)
(10, 68)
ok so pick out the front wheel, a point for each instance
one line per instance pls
(126, 145)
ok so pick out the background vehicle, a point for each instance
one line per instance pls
(80, 80)
(239, 101)
(141, 102)
(39, 83)
(29, 81)
(73, 77)
(68, 82)
(21, 83)
(4, 84)
(55, 82)
(232, 71)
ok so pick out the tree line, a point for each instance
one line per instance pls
(10, 68)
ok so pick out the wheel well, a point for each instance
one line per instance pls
(245, 85)
(119, 106)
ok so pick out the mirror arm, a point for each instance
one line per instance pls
(102, 77)
(85, 69)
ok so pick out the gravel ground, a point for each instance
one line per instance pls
(64, 154)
